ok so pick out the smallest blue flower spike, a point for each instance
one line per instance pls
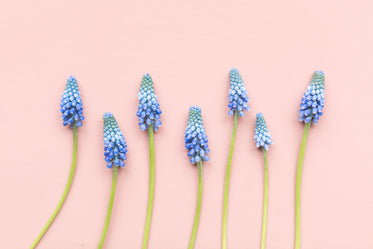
(71, 104)
(237, 94)
(195, 137)
(115, 145)
(148, 111)
(262, 136)
(312, 104)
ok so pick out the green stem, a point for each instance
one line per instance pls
(265, 201)
(151, 188)
(110, 207)
(198, 209)
(66, 191)
(298, 185)
(226, 187)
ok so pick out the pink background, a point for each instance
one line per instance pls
(188, 48)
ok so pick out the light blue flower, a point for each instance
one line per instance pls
(115, 145)
(237, 94)
(262, 136)
(312, 104)
(195, 137)
(71, 104)
(148, 111)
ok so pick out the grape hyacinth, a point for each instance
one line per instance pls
(312, 104)
(197, 144)
(148, 111)
(115, 155)
(71, 104)
(311, 108)
(238, 104)
(149, 119)
(115, 145)
(72, 114)
(195, 137)
(262, 136)
(237, 94)
(263, 139)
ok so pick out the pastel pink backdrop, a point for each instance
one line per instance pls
(188, 48)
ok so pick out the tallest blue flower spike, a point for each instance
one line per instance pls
(149, 119)
(71, 104)
(237, 105)
(237, 94)
(311, 108)
(312, 104)
(148, 111)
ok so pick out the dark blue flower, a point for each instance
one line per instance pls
(115, 145)
(262, 136)
(148, 111)
(312, 104)
(237, 94)
(195, 137)
(71, 104)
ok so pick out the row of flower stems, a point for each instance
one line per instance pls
(195, 142)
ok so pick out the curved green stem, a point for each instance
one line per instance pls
(265, 201)
(151, 188)
(198, 209)
(66, 191)
(298, 185)
(226, 186)
(110, 207)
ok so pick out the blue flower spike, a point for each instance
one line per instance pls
(71, 104)
(148, 111)
(311, 108)
(238, 100)
(115, 155)
(71, 108)
(262, 136)
(312, 104)
(263, 139)
(195, 137)
(149, 119)
(197, 145)
(115, 145)
(237, 94)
